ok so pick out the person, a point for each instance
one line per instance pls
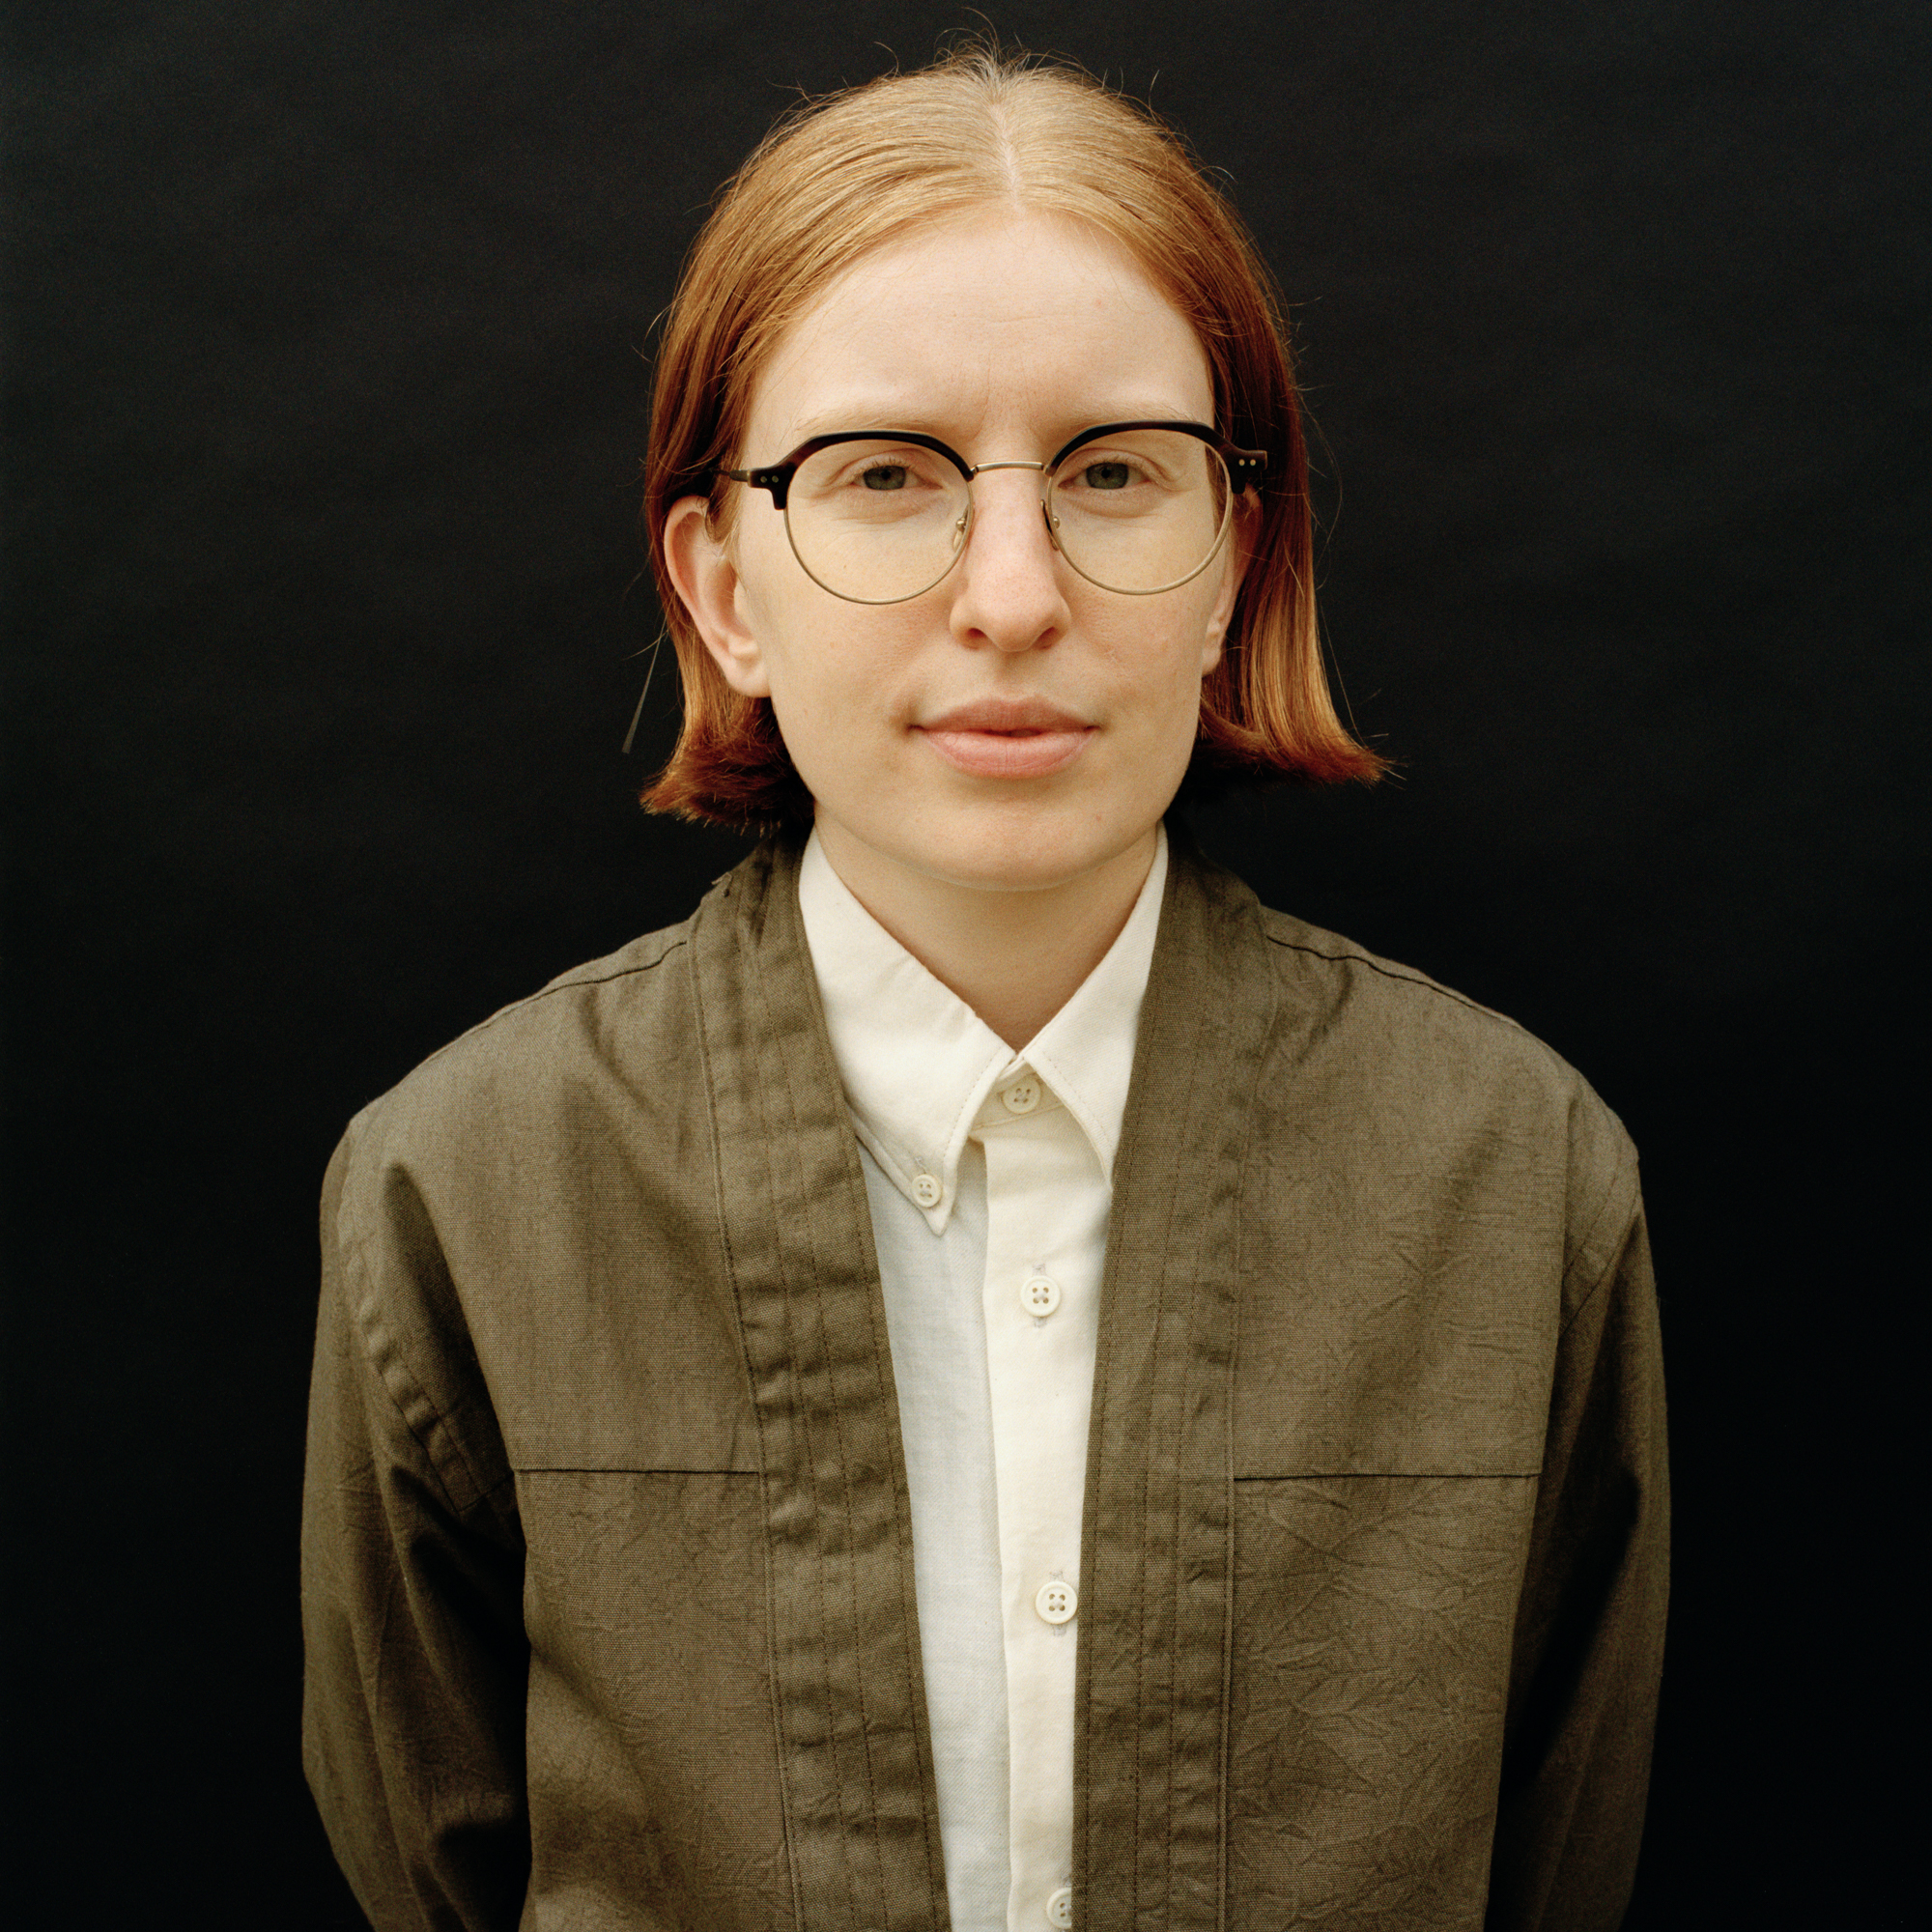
(985, 1378)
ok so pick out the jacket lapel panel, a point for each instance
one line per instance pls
(860, 1811)
(1155, 1590)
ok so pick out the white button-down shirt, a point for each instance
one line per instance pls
(988, 1174)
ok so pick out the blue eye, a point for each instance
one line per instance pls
(1106, 477)
(884, 476)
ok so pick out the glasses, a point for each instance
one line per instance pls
(880, 517)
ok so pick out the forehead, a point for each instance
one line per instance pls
(991, 321)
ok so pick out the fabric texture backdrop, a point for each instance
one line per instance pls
(325, 403)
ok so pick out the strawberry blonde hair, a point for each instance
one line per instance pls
(860, 168)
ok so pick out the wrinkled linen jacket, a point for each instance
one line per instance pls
(606, 1562)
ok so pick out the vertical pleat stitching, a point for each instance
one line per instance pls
(1201, 1374)
(1239, 1154)
(781, 1040)
(805, 1308)
(1226, 1772)
(1164, 1340)
(761, 1421)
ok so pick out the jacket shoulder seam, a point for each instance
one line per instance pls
(567, 982)
(1404, 975)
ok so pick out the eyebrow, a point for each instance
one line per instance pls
(841, 417)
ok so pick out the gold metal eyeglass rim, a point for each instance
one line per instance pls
(1247, 470)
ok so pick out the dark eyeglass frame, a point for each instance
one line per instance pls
(1247, 469)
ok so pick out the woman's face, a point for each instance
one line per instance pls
(1016, 726)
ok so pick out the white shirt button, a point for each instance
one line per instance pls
(1060, 1907)
(1022, 1097)
(1039, 1295)
(926, 1190)
(1057, 1601)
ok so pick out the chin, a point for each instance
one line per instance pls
(1023, 852)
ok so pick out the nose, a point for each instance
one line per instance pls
(1008, 589)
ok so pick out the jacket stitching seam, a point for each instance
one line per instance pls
(368, 1306)
(1161, 1332)
(570, 983)
(785, 1794)
(617, 1469)
(1176, 1583)
(881, 1357)
(845, 1486)
(1401, 1476)
(1142, 1647)
(1420, 981)
(1238, 1279)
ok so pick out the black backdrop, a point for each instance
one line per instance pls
(324, 406)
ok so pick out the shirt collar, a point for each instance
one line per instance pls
(917, 1062)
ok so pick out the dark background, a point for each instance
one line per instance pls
(324, 406)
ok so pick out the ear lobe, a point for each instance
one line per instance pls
(706, 580)
(1234, 568)
(1210, 649)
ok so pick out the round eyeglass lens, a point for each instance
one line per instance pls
(877, 521)
(1140, 510)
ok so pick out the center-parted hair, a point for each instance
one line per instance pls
(858, 169)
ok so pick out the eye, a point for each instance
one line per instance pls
(884, 476)
(1109, 475)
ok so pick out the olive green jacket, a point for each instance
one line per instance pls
(607, 1561)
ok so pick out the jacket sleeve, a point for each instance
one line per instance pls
(412, 1562)
(1589, 1639)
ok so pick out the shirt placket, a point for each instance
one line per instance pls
(1046, 1212)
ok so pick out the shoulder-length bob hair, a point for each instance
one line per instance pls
(858, 169)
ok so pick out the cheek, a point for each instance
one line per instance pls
(1171, 661)
(833, 688)
(813, 704)
(765, 589)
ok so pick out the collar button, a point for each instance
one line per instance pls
(1021, 1096)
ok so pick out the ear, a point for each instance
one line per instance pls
(708, 586)
(1234, 568)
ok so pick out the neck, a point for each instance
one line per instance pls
(1015, 957)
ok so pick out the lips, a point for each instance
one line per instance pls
(1007, 738)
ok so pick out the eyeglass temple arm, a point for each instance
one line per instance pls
(1247, 469)
(777, 480)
